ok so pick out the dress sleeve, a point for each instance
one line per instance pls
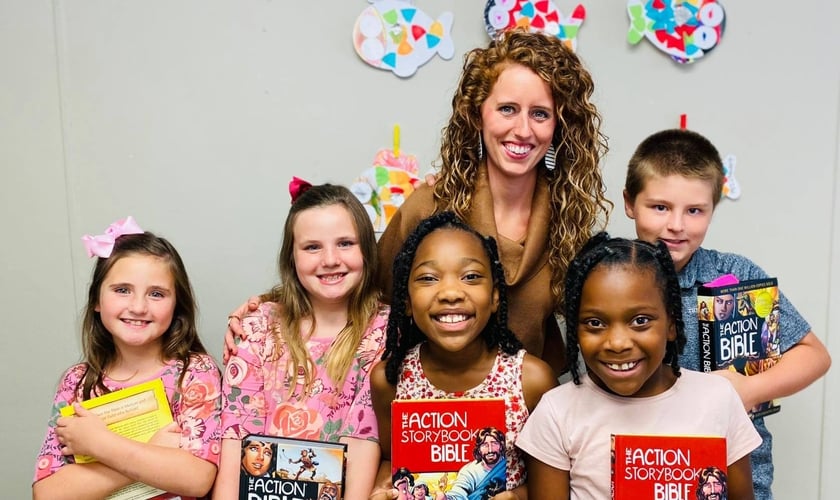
(361, 419)
(244, 401)
(50, 458)
(199, 414)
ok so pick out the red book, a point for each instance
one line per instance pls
(433, 440)
(668, 467)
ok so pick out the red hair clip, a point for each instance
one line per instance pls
(297, 187)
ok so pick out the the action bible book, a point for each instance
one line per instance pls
(279, 468)
(450, 446)
(739, 330)
(668, 467)
(136, 412)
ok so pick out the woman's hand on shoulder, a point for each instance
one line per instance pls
(537, 379)
(234, 326)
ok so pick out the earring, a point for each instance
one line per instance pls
(480, 147)
(550, 157)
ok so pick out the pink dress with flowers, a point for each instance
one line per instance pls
(258, 400)
(504, 381)
(195, 409)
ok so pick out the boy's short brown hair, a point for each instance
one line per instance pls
(674, 152)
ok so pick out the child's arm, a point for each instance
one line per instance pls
(798, 367)
(362, 467)
(122, 461)
(227, 478)
(739, 481)
(552, 483)
(382, 394)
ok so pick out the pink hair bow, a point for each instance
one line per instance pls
(297, 187)
(102, 245)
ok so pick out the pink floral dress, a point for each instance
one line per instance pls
(195, 409)
(257, 397)
(504, 381)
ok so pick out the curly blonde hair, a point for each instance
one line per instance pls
(578, 204)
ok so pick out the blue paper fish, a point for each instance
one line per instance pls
(397, 36)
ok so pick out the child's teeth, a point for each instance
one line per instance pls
(452, 318)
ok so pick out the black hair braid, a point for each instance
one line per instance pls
(673, 303)
(613, 251)
(401, 333)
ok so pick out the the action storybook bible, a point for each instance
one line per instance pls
(448, 444)
(136, 412)
(666, 467)
(279, 468)
(739, 330)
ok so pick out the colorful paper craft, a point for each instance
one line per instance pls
(540, 15)
(398, 37)
(385, 186)
(684, 29)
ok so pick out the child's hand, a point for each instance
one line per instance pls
(234, 328)
(741, 383)
(79, 435)
(384, 494)
(168, 436)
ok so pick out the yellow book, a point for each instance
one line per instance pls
(136, 412)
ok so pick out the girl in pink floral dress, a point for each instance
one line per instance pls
(302, 368)
(451, 340)
(139, 325)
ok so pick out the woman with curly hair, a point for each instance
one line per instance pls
(519, 162)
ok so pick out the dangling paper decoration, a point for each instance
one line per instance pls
(399, 37)
(731, 188)
(540, 15)
(683, 29)
(385, 186)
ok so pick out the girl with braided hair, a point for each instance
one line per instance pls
(448, 337)
(624, 317)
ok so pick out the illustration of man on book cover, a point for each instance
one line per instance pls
(481, 478)
(277, 468)
(711, 484)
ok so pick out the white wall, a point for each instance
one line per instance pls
(193, 115)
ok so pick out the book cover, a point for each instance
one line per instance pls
(136, 412)
(278, 468)
(739, 330)
(452, 448)
(668, 467)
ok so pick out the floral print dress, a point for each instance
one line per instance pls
(258, 399)
(195, 408)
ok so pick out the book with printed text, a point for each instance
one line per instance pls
(136, 412)
(668, 467)
(279, 468)
(739, 329)
(451, 446)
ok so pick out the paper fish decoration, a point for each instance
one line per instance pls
(683, 29)
(385, 186)
(731, 188)
(541, 15)
(397, 36)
